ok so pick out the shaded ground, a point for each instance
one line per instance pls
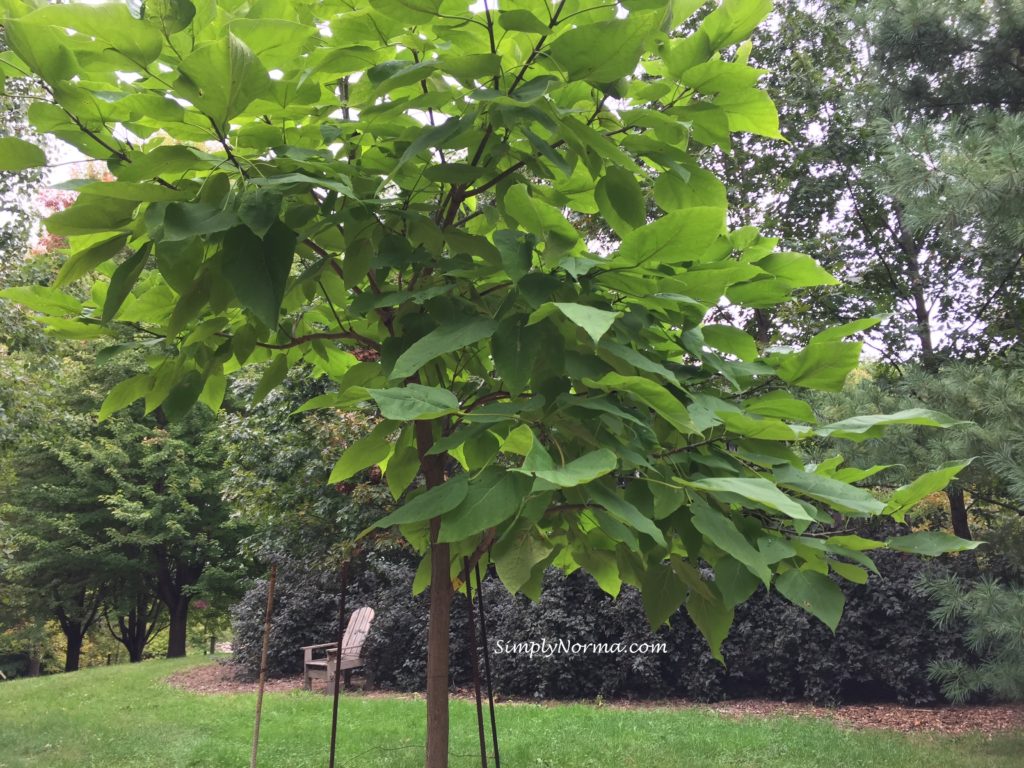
(220, 678)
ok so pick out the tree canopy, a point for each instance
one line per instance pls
(395, 194)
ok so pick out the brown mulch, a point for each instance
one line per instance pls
(220, 678)
(889, 717)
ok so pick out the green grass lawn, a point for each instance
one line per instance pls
(128, 717)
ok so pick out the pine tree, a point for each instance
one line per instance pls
(991, 616)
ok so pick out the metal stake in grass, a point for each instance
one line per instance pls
(263, 664)
(337, 659)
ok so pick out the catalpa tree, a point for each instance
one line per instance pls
(392, 194)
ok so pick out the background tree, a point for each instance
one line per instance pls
(100, 513)
(56, 523)
(400, 186)
(899, 177)
(993, 619)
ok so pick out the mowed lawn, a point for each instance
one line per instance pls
(128, 717)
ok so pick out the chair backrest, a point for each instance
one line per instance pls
(356, 631)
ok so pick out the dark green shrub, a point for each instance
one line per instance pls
(305, 613)
(881, 651)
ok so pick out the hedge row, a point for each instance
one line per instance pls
(881, 651)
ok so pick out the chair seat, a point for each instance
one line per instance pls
(347, 662)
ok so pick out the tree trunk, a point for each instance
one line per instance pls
(437, 653)
(912, 248)
(173, 579)
(958, 512)
(763, 327)
(177, 628)
(439, 622)
(73, 657)
(135, 652)
(34, 666)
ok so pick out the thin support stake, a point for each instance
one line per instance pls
(337, 660)
(263, 664)
(471, 626)
(487, 665)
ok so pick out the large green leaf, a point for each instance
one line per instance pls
(441, 341)
(651, 394)
(596, 322)
(521, 20)
(755, 490)
(905, 497)
(539, 218)
(88, 256)
(815, 593)
(272, 376)
(584, 53)
(516, 555)
(514, 347)
(840, 496)
(731, 340)
(110, 22)
(931, 543)
(41, 298)
(257, 269)
(43, 47)
(183, 221)
(222, 78)
(622, 510)
(858, 428)
(92, 213)
(750, 110)
(169, 16)
(621, 200)
(713, 618)
(414, 401)
(821, 365)
(493, 497)
(18, 154)
(734, 581)
(662, 592)
(723, 533)
(734, 20)
(578, 471)
(123, 280)
(676, 237)
(431, 503)
(363, 453)
(798, 269)
(124, 393)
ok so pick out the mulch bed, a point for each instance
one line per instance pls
(220, 678)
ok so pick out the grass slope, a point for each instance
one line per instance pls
(128, 717)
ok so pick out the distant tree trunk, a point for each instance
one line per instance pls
(136, 629)
(958, 512)
(177, 628)
(73, 656)
(174, 578)
(35, 665)
(75, 627)
(763, 326)
(912, 248)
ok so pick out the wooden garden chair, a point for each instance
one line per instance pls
(321, 667)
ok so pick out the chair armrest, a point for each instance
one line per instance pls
(307, 651)
(315, 647)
